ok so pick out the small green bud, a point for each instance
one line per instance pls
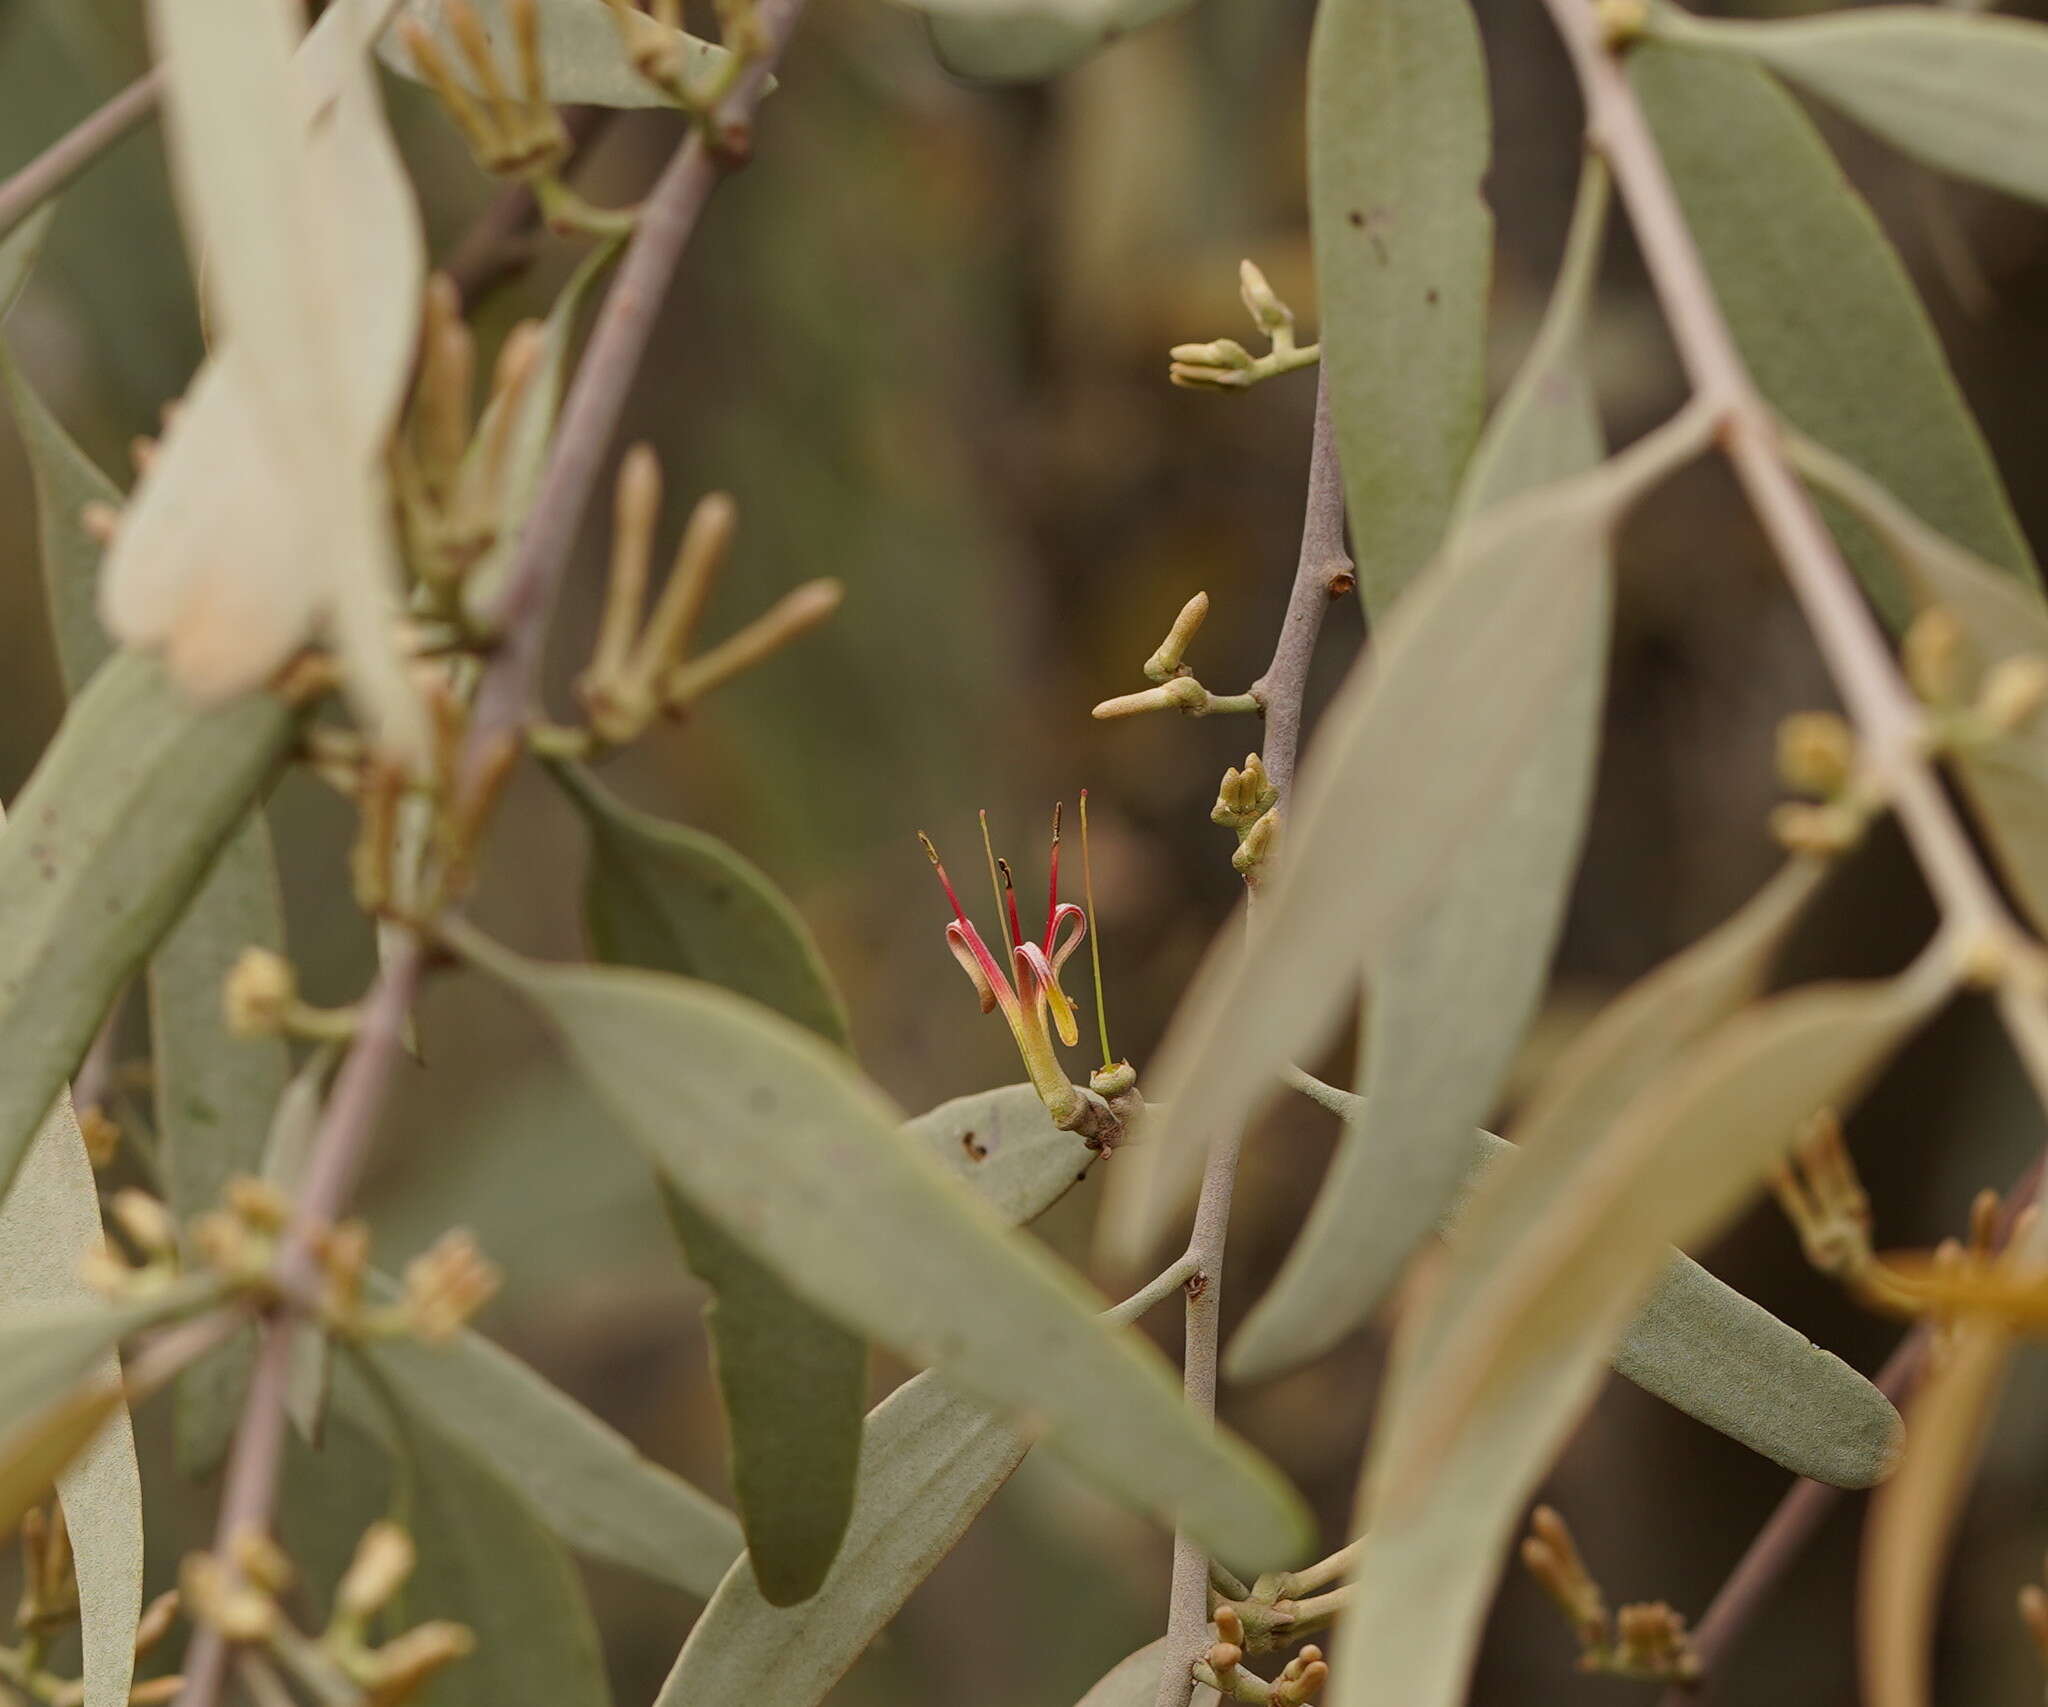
(1816, 752)
(1268, 312)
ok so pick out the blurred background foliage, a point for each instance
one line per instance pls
(923, 342)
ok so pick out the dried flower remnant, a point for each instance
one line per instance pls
(1646, 1641)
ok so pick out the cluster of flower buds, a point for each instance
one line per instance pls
(1969, 705)
(1977, 1277)
(451, 470)
(512, 135)
(1177, 688)
(49, 1605)
(417, 835)
(240, 1243)
(1226, 365)
(675, 64)
(240, 1599)
(1221, 1667)
(1817, 757)
(637, 672)
(1647, 1642)
(1248, 803)
(1818, 1189)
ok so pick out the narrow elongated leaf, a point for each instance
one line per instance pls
(1964, 92)
(1399, 136)
(2005, 775)
(486, 1560)
(215, 1093)
(112, 833)
(1822, 309)
(1481, 949)
(18, 252)
(1011, 41)
(930, 1459)
(583, 57)
(49, 1224)
(1726, 1361)
(774, 1133)
(66, 480)
(1134, 1682)
(673, 899)
(1487, 1386)
(1474, 665)
(583, 1477)
(792, 1380)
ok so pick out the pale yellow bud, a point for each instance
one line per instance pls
(261, 991)
(1934, 652)
(384, 1559)
(2015, 689)
(1816, 753)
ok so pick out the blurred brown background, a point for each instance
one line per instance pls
(923, 341)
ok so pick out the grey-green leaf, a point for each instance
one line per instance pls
(486, 1560)
(1822, 309)
(673, 899)
(792, 1381)
(1490, 1381)
(18, 251)
(1481, 949)
(1964, 92)
(1468, 673)
(583, 57)
(583, 1477)
(66, 480)
(1014, 41)
(111, 835)
(1399, 137)
(1726, 1361)
(778, 1136)
(930, 1460)
(215, 1094)
(49, 1224)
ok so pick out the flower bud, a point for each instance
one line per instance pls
(2014, 690)
(384, 1559)
(1166, 661)
(1815, 753)
(146, 1221)
(1268, 312)
(260, 994)
(1934, 654)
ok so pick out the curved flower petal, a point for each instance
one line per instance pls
(1039, 986)
(1066, 914)
(980, 966)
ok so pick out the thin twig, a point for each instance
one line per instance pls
(501, 242)
(360, 1088)
(77, 149)
(335, 1161)
(1888, 718)
(1322, 572)
(605, 376)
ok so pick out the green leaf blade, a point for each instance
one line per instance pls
(1964, 93)
(776, 1135)
(1399, 143)
(1821, 307)
(113, 832)
(1481, 950)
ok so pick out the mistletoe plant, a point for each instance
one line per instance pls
(333, 559)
